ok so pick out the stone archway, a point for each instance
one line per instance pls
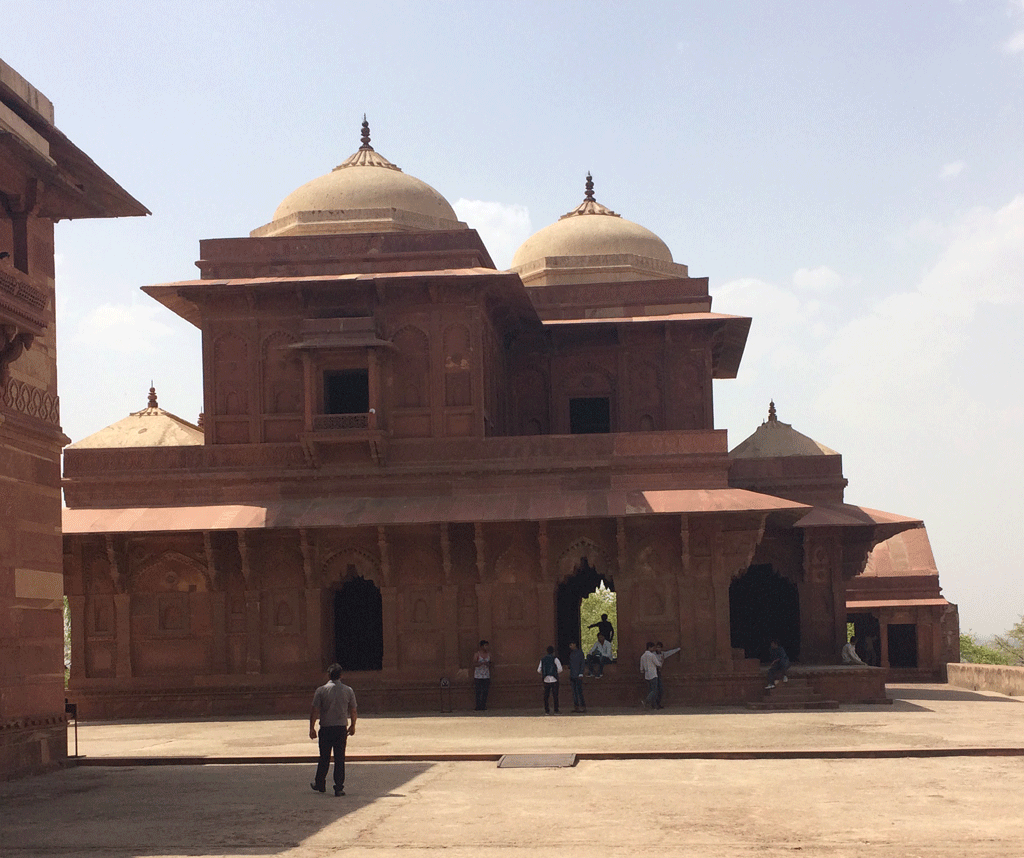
(764, 605)
(580, 583)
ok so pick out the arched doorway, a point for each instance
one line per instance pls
(583, 581)
(764, 605)
(358, 625)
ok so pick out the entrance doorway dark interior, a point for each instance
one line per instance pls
(902, 644)
(764, 605)
(584, 580)
(358, 625)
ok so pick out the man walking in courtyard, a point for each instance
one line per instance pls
(482, 675)
(649, 671)
(335, 705)
(576, 664)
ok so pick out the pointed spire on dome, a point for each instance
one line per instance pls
(366, 156)
(589, 204)
(151, 403)
(772, 416)
(365, 136)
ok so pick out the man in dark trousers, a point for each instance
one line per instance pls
(576, 664)
(335, 705)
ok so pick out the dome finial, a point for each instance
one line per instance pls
(365, 136)
(772, 416)
(590, 188)
(152, 396)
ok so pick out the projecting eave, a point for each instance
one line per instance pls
(729, 333)
(516, 505)
(884, 524)
(181, 297)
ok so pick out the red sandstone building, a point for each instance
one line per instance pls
(405, 450)
(44, 178)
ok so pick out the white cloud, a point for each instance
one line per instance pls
(502, 227)
(820, 279)
(126, 329)
(952, 170)
(1015, 44)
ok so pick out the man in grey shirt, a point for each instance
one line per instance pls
(334, 704)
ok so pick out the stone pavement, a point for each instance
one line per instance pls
(938, 773)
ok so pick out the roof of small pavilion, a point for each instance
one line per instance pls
(150, 427)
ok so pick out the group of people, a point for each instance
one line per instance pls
(651, 662)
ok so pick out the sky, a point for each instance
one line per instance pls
(848, 174)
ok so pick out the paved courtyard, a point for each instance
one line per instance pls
(938, 773)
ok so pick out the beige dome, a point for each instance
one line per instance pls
(593, 243)
(365, 193)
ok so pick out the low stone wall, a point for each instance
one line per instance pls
(987, 677)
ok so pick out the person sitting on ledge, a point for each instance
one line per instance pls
(600, 654)
(850, 653)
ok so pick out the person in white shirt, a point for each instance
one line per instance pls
(850, 653)
(649, 671)
(549, 668)
(660, 654)
(600, 654)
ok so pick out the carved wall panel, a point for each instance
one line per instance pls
(411, 367)
(458, 350)
(282, 375)
(231, 377)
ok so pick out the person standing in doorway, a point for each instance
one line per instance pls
(335, 705)
(604, 627)
(576, 665)
(549, 668)
(482, 675)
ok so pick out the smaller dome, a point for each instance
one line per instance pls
(774, 439)
(594, 243)
(364, 193)
(150, 427)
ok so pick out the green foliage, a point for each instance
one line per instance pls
(972, 652)
(601, 601)
(1011, 644)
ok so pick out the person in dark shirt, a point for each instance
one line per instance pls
(604, 627)
(576, 666)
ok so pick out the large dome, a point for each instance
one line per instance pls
(592, 238)
(365, 193)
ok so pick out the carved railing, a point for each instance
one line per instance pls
(340, 422)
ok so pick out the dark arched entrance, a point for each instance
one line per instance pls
(584, 580)
(358, 625)
(764, 605)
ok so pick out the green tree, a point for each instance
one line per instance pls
(601, 601)
(972, 652)
(1012, 643)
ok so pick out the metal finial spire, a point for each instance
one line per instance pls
(365, 136)
(152, 396)
(590, 188)
(772, 416)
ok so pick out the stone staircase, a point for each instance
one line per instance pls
(798, 693)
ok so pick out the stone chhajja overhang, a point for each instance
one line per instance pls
(383, 511)
(729, 335)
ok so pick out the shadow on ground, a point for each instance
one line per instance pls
(226, 810)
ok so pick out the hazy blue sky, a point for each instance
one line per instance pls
(849, 174)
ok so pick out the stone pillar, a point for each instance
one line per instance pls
(485, 621)
(686, 595)
(883, 641)
(389, 611)
(253, 655)
(450, 625)
(314, 629)
(219, 632)
(123, 619)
